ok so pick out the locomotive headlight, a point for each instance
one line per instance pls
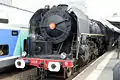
(63, 55)
(24, 53)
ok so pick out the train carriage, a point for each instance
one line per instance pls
(12, 40)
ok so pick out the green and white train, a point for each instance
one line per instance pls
(12, 43)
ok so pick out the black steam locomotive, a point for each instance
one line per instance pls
(62, 38)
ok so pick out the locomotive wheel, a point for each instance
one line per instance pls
(95, 51)
(68, 72)
(93, 56)
(89, 59)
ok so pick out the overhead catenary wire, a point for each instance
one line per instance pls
(16, 7)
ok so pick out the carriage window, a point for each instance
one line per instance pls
(4, 50)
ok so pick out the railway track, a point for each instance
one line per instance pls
(16, 74)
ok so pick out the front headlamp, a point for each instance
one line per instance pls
(24, 53)
(63, 55)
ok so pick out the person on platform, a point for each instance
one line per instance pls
(117, 44)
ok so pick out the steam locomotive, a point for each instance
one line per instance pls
(62, 38)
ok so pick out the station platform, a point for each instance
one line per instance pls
(101, 68)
